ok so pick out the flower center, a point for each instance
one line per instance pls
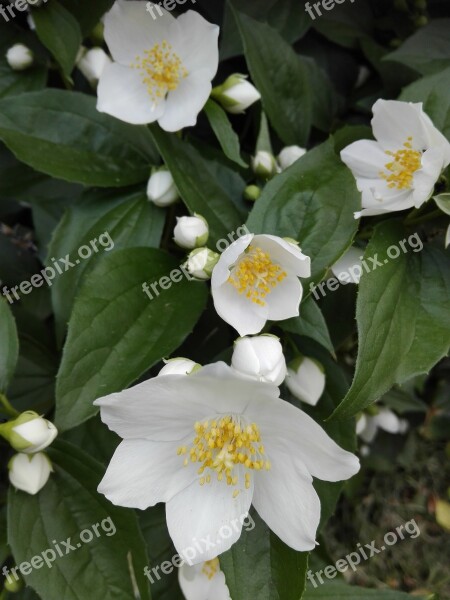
(400, 171)
(210, 568)
(161, 70)
(256, 275)
(223, 445)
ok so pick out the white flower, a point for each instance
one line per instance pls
(306, 380)
(264, 164)
(29, 473)
(256, 280)
(289, 155)
(400, 169)
(191, 232)
(368, 425)
(29, 433)
(210, 445)
(163, 67)
(260, 357)
(348, 269)
(204, 581)
(161, 188)
(201, 262)
(236, 94)
(178, 366)
(19, 57)
(92, 64)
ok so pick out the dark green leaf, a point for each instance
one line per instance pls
(105, 353)
(310, 323)
(221, 126)
(87, 17)
(62, 134)
(342, 591)
(9, 347)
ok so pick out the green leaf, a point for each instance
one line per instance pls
(343, 591)
(403, 321)
(433, 92)
(111, 563)
(259, 565)
(129, 219)
(59, 31)
(228, 139)
(87, 17)
(295, 92)
(344, 25)
(13, 83)
(427, 51)
(62, 134)
(9, 347)
(310, 323)
(116, 332)
(197, 183)
(313, 202)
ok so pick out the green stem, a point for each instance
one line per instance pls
(8, 409)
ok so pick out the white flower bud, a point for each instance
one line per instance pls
(264, 165)
(289, 155)
(306, 379)
(201, 262)
(252, 193)
(191, 232)
(161, 188)
(29, 473)
(260, 357)
(179, 366)
(92, 64)
(29, 433)
(385, 419)
(236, 94)
(19, 57)
(348, 269)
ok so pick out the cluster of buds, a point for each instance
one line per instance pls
(29, 434)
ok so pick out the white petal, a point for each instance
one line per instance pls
(228, 257)
(198, 583)
(142, 473)
(403, 200)
(349, 267)
(196, 43)
(370, 430)
(284, 299)
(393, 122)
(122, 94)
(204, 521)
(130, 29)
(388, 421)
(288, 255)
(447, 237)
(324, 459)
(425, 179)
(183, 105)
(365, 158)
(286, 500)
(241, 313)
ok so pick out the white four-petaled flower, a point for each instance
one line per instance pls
(400, 169)
(211, 444)
(256, 280)
(163, 67)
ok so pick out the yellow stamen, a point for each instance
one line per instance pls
(400, 171)
(210, 568)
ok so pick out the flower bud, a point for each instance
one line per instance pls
(289, 155)
(19, 57)
(385, 419)
(264, 165)
(13, 585)
(236, 94)
(348, 269)
(29, 433)
(191, 232)
(252, 193)
(92, 63)
(201, 262)
(306, 379)
(29, 473)
(161, 188)
(260, 357)
(179, 366)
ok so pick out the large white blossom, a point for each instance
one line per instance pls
(162, 68)
(204, 581)
(256, 280)
(399, 170)
(211, 444)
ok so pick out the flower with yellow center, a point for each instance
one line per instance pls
(211, 444)
(162, 68)
(203, 582)
(256, 280)
(399, 170)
